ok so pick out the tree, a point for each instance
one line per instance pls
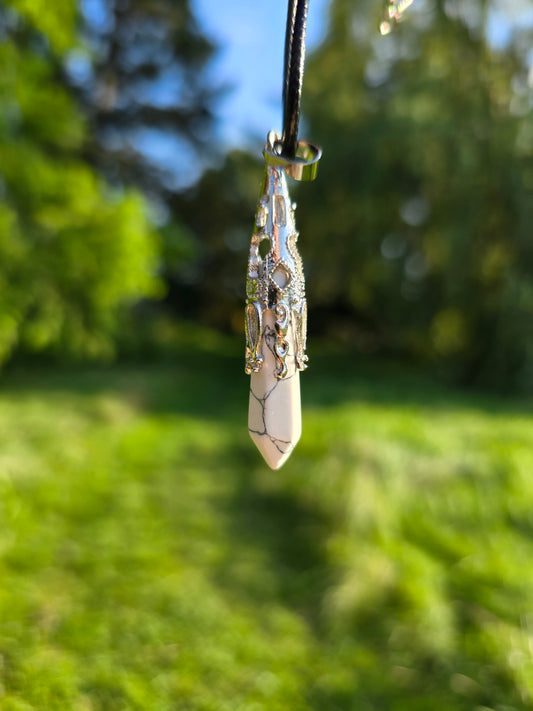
(73, 251)
(142, 82)
(416, 235)
(219, 213)
(419, 219)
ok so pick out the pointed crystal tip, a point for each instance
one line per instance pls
(274, 452)
(274, 416)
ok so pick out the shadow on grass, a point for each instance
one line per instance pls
(274, 538)
(287, 538)
(290, 537)
(211, 384)
(338, 378)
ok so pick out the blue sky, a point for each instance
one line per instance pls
(250, 35)
(251, 38)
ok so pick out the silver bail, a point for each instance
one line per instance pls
(302, 167)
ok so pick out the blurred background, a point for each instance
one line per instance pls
(148, 559)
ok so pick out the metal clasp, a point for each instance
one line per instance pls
(302, 167)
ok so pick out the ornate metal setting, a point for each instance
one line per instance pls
(275, 279)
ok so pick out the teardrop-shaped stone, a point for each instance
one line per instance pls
(274, 415)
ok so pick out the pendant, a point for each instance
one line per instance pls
(276, 308)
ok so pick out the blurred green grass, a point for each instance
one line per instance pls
(149, 560)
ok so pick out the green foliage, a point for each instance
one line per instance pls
(222, 234)
(147, 85)
(419, 219)
(416, 234)
(150, 561)
(72, 251)
(57, 26)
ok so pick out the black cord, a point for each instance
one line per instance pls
(293, 74)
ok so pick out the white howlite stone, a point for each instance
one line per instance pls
(274, 415)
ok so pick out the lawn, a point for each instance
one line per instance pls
(150, 561)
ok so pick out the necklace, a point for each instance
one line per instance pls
(276, 308)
